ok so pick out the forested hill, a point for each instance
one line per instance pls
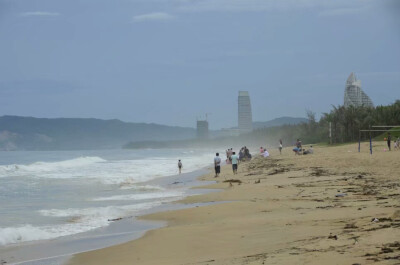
(28, 133)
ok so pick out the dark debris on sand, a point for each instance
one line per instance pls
(233, 181)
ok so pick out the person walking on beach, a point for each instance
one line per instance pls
(235, 161)
(389, 139)
(180, 166)
(217, 165)
(228, 156)
(280, 146)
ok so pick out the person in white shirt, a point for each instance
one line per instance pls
(217, 164)
(235, 161)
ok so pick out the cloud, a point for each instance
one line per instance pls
(156, 16)
(40, 13)
(267, 5)
(340, 12)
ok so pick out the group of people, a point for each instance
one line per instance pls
(244, 154)
(264, 152)
(298, 150)
(231, 158)
(298, 147)
(229, 152)
(396, 143)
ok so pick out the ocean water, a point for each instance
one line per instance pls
(49, 195)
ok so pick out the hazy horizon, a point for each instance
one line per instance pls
(172, 125)
(170, 62)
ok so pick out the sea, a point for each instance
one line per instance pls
(47, 196)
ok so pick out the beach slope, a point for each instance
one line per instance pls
(336, 206)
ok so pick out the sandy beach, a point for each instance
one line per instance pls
(336, 206)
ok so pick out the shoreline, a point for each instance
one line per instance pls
(59, 250)
(313, 209)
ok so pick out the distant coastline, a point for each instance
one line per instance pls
(41, 134)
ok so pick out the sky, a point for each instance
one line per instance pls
(172, 61)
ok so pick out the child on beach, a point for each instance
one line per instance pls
(180, 166)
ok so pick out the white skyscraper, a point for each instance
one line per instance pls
(354, 95)
(245, 118)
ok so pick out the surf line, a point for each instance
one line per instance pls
(73, 253)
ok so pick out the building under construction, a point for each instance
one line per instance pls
(202, 129)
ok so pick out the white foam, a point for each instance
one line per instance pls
(10, 235)
(77, 221)
(127, 174)
(142, 196)
(45, 168)
(133, 186)
(118, 172)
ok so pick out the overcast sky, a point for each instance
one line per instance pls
(170, 61)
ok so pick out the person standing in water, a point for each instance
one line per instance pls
(235, 161)
(180, 166)
(217, 165)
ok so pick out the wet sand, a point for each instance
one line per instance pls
(336, 206)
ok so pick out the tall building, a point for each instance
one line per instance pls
(202, 129)
(354, 95)
(245, 118)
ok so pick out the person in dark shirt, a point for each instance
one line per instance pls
(180, 166)
(217, 164)
(389, 139)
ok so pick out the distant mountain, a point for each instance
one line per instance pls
(278, 122)
(28, 133)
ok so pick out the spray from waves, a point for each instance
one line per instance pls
(116, 172)
(48, 167)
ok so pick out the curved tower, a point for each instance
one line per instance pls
(354, 95)
(245, 118)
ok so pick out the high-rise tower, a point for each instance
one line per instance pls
(245, 119)
(354, 95)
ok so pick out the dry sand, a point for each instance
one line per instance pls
(290, 217)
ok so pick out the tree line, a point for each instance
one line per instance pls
(345, 122)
